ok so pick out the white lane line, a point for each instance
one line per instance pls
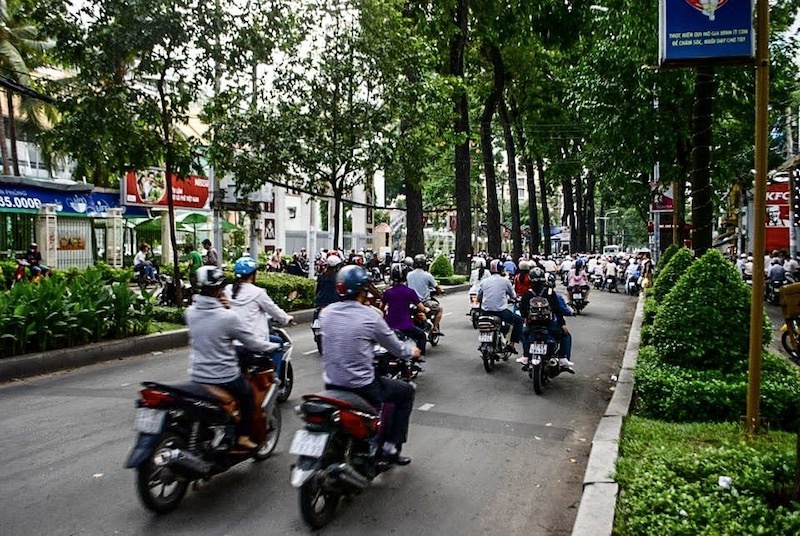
(310, 352)
(447, 314)
(426, 407)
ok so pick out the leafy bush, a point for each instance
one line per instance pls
(441, 267)
(649, 310)
(701, 322)
(281, 287)
(672, 271)
(665, 257)
(174, 315)
(669, 478)
(678, 394)
(453, 280)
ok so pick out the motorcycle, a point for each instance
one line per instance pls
(632, 287)
(474, 309)
(773, 290)
(396, 368)
(544, 365)
(579, 302)
(338, 451)
(376, 275)
(141, 278)
(187, 432)
(611, 284)
(315, 329)
(284, 365)
(168, 291)
(424, 321)
(598, 281)
(493, 344)
(19, 273)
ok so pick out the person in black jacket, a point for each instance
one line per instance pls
(557, 325)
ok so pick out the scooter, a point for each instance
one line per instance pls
(579, 302)
(424, 321)
(168, 291)
(544, 365)
(474, 309)
(492, 343)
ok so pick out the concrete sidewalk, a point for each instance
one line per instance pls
(15, 368)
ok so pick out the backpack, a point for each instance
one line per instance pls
(539, 311)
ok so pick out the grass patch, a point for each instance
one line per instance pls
(163, 327)
(669, 480)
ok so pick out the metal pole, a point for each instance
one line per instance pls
(760, 192)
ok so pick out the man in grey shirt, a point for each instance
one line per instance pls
(494, 294)
(422, 282)
(350, 329)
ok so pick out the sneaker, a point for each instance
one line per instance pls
(522, 360)
(246, 442)
(565, 363)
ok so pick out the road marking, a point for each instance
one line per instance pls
(426, 407)
(447, 314)
(310, 352)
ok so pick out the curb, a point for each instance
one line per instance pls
(15, 368)
(599, 499)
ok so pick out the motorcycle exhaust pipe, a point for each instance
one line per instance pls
(344, 473)
(184, 463)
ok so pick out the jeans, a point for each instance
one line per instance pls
(401, 394)
(515, 321)
(418, 336)
(242, 389)
(277, 355)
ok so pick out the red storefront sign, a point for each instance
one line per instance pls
(147, 188)
(777, 216)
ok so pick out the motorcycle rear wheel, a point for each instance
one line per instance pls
(433, 338)
(266, 449)
(159, 489)
(786, 341)
(474, 320)
(288, 383)
(317, 506)
(537, 375)
(488, 360)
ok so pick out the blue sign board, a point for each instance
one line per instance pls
(21, 198)
(708, 32)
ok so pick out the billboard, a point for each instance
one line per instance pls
(693, 32)
(24, 198)
(777, 222)
(148, 189)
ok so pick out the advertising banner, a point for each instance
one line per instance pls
(21, 198)
(662, 199)
(148, 189)
(709, 32)
(777, 217)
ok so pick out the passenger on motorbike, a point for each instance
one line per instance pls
(350, 329)
(142, 264)
(558, 326)
(522, 281)
(423, 282)
(494, 295)
(326, 281)
(397, 302)
(478, 274)
(578, 280)
(212, 356)
(776, 272)
(255, 306)
(34, 258)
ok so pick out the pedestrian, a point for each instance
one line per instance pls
(212, 256)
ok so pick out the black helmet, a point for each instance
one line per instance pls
(420, 260)
(537, 275)
(399, 273)
(351, 280)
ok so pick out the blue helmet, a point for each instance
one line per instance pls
(351, 280)
(245, 266)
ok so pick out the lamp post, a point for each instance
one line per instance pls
(604, 219)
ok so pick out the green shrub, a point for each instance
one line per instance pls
(173, 315)
(649, 310)
(669, 476)
(665, 257)
(678, 394)
(672, 271)
(702, 322)
(441, 267)
(453, 280)
(281, 287)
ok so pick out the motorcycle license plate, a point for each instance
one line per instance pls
(315, 324)
(149, 421)
(485, 336)
(307, 443)
(539, 348)
(577, 296)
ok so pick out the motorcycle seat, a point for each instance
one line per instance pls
(344, 400)
(203, 391)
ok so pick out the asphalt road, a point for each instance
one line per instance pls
(490, 456)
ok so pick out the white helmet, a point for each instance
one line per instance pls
(334, 261)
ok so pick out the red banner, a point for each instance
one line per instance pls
(777, 216)
(148, 188)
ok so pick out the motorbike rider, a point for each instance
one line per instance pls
(350, 329)
(578, 279)
(141, 263)
(423, 282)
(255, 306)
(396, 303)
(213, 327)
(776, 272)
(558, 328)
(522, 281)
(494, 295)
(34, 258)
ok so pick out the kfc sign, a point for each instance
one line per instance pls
(776, 219)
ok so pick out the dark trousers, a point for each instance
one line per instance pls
(418, 336)
(242, 389)
(385, 390)
(511, 319)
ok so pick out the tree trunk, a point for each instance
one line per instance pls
(590, 213)
(548, 246)
(462, 158)
(337, 212)
(513, 188)
(702, 194)
(4, 142)
(533, 209)
(168, 165)
(415, 237)
(12, 132)
(580, 215)
(568, 217)
(493, 235)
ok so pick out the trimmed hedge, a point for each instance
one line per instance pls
(665, 257)
(672, 271)
(441, 267)
(282, 287)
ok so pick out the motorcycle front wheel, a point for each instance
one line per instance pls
(433, 338)
(488, 359)
(160, 490)
(266, 449)
(317, 505)
(475, 320)
(786, 341)
(288, 383)
(537, 375)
